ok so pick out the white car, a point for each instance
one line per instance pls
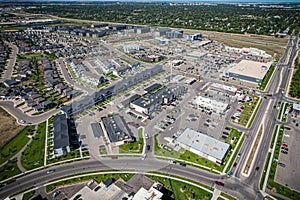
(286, 135)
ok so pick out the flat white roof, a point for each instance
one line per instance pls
(112, 192)
(296, 106)
(251, 68)
(144, 194)
(211, 103)
(224, 87)
(203, 143)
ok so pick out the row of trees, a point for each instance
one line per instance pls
(221, 17)
(295, 85)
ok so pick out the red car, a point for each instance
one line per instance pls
(285, 145)
(219, 183)
(234, 165)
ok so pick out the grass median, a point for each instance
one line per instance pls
(33, 156)
(266, 79)
(248, 110)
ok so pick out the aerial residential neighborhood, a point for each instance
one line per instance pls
(149, 100)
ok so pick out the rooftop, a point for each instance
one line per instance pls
(116, 129)
(203, 143)
(251, 68)
(61, 135)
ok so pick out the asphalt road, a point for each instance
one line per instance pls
(11, 62)
(69, 80)
(18, 114)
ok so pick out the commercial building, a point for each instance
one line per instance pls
(197, 36)
(130, 47)
(61, 135)
(174, 34)
(231, 90)
(116, 129)
(164, 96)
(203, 145)
(141, 30)
(249, 71)
(296, 108)
(103, 94)
(211, 105)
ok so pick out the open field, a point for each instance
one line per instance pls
(8, 127)
(15, 144)
(267, 43)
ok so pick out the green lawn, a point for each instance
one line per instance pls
(97, 178)
(267, 78)
(292, 194)
(135, 147)
(184, 155)
(15, 144)
(28, 195)
(178, 190)
(9, 169)
(72, 154)
(274, 136)
(235, 154)
(280, 111)
(33, 156)
(261, 184)
(248, 110)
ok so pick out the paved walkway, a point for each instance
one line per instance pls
(216, 194)
(19, 154)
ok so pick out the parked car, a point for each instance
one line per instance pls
(284, 152)
(285, 145)
(281, 164)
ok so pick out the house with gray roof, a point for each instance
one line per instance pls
(61, 135)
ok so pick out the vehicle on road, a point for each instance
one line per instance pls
(148, 147)
(55, 194)
(235, 164)
(229, 174)
(219, 183)
(257, 168)
(50, 171)
(239, 155)
(182, 164)
(286, 135)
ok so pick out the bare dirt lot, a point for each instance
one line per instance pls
(8, 127)
(270, 44)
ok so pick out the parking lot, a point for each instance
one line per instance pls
(287, 173)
